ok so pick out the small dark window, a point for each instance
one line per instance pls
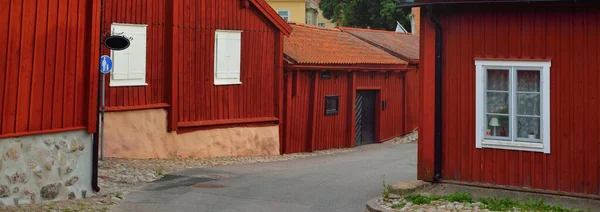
(331, 105)
(326, 75)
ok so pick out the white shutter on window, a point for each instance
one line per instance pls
(120, 58)
(137, 55)
(228, 57)
(129, 65)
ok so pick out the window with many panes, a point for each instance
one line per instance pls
(285, 14)
(513, 105)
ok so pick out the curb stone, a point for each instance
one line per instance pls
(408, 187)
(373, 206)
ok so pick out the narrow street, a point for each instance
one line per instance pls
(341, 182)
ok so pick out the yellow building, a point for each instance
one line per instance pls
(314, 15)
(301, 11)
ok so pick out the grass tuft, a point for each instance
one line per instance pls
(462, 197)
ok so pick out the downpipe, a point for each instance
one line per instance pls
(438, 119)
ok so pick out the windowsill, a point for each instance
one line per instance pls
(125, 84)
(228, 83)
(512, 145)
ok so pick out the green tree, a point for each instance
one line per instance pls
(374, 14)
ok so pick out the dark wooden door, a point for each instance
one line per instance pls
(365, 117)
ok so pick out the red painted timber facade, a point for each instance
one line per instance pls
(180, 61)
(49, 76)
(354, 66)
(564, 33)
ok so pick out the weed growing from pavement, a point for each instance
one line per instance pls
(387, 190)
(399, 205)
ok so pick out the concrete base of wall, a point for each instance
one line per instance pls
(143, 134)
(47, 167)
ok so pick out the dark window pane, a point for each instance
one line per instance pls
(331, 105)
(497, 102)
(528, 104)
(497, 80)
(528, 127)
(498, 126)
(528, 81)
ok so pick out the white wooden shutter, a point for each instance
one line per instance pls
(137, 54)
(129, 65)
(120, 58)
(228, 47)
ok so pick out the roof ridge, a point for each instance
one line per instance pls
(314, 27)
(371, 30)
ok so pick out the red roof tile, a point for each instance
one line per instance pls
(313, 45)
(403, 45)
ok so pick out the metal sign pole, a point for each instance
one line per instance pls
(102, 119)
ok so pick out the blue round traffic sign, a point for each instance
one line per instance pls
(106, 64)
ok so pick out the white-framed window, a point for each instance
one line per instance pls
(321, 24)
(228, 53)
(129, 65)
(285, 14)
(513, 105)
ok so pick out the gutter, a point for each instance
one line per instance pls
(438, 119)
(95, 142)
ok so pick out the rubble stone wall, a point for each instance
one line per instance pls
(46, 167)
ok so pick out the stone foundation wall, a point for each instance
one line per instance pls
(143, 134)
(47, 167)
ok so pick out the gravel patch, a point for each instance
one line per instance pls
(408, 138)
(401, 204)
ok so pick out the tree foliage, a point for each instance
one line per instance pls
(374, 14)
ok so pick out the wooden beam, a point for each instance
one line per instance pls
(137, 107)
(228, 121)
(173, 20)
(312, 113)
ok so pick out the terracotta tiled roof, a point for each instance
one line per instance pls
(403, 45)
(313, 45)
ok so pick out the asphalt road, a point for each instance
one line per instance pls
(340, 182)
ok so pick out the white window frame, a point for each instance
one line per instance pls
(129, 82)
(288, 14)
(229, 81)
(481, 67)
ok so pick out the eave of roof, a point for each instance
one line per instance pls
(272, 16)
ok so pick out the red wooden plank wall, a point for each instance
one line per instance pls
(333, 131)
(44, 55)
(152, 13)
(412, 100)
(198, 98)
(296, 102)
(392, 120)
(567, 35)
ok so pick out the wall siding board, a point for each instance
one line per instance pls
(43, 85)
(151, 13)
(569, 40)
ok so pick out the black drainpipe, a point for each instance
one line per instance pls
(95, 148)
(438, 95)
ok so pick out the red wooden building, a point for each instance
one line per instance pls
(199, 69)
(406, 47)
(510, 95)
(340, 91)
(48, 99)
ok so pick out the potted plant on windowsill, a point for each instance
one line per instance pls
(531, 135)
